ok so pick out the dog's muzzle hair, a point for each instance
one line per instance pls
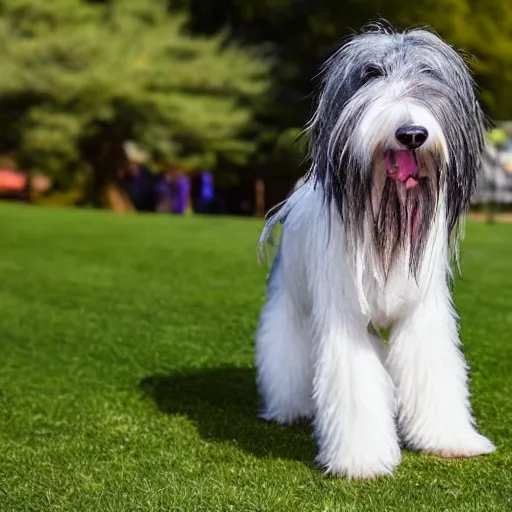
(397, 128)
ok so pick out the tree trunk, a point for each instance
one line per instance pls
(108, 168)
(116, 199)
(259, 191)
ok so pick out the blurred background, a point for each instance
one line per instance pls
(179, 106)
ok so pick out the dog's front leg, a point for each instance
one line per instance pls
(430, 374)
(354, 400)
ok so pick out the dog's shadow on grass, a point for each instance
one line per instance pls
(223, 403)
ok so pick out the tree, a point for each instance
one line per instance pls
(79, 78)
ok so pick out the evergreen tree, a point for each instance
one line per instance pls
(79, 78)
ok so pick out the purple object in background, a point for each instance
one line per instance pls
(140, 185)
(203, 192)
(207, 188)
(163, 191)
(179, 191)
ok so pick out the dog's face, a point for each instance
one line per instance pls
(397, 128)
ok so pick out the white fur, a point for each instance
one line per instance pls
(316, 358)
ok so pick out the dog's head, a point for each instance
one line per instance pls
(397, 128)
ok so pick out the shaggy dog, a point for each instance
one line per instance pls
(367, 245)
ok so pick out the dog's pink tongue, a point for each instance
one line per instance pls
(401, 166)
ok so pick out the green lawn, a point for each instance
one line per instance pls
(126, 377)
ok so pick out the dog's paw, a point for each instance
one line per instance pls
(463, 447)
(362, 466)
(286, 417)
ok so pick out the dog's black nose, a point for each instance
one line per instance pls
(411, 136)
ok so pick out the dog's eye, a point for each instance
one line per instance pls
(372, 72)
(430, 72)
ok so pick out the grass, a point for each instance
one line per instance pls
(127, 384)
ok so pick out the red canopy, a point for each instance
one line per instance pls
(12, 181)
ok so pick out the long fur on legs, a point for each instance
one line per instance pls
(284, 356)
(395, 144)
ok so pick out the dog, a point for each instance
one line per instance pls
(369, 243)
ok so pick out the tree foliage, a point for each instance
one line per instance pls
(79, 78)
